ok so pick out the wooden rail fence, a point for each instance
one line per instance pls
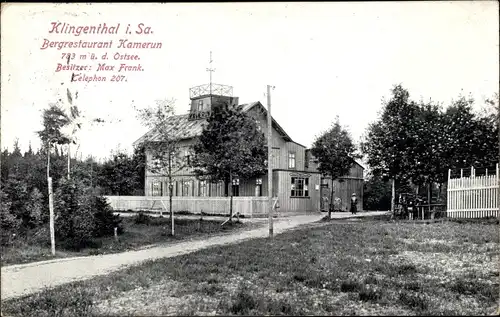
(473, 196)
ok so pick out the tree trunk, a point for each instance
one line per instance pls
(231, 198)
(69, 161)
(51, 205)
(393, 193)
(331, 206)
(429, 197)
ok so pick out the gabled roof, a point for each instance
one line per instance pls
(249, 106)
(183, 128)
(312, 157)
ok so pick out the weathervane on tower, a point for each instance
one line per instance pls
(211, 70)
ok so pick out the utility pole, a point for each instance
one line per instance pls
(269, 167)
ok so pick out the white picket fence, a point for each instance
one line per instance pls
(246, 206)
(473, 196)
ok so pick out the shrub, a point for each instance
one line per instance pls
(81, 215)
(9, 222)
(74, 221)
(105, 220)
(142, 218)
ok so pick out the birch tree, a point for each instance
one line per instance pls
(164, 148)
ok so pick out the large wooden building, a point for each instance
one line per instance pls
(296, 181)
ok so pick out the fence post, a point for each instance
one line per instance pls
(498, 187)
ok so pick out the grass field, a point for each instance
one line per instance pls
(149, 231)
(363, 267)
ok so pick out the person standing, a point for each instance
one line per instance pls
(354, 203)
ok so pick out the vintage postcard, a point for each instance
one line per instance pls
(239, 158)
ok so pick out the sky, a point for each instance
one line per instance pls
(324, 59)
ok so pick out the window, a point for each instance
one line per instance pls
(187, 188)
(203, 188)
(187, 155)
(200, 105)
(300, 187)
(156, 188)
(236, 187)
(258, 187)
(291, 160)
(257, 123)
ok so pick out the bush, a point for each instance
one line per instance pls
(35, 208)
(74, 224)
(9, 222)
(81, 215)
(105, 220)
(142, 219)
(16, 193)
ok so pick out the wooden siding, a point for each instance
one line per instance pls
(189, 186)
(344, 190)
(282, 183)
(281, 148)
(183, 146)
(356, 171)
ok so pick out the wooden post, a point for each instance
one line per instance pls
(51, 220)
(230, 188)
(429, 198)
(448, 194)
(116, 234)
(498, 178)
(269, 167)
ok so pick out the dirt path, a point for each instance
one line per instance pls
(24, 279)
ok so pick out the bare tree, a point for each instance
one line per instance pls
(162, 144)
